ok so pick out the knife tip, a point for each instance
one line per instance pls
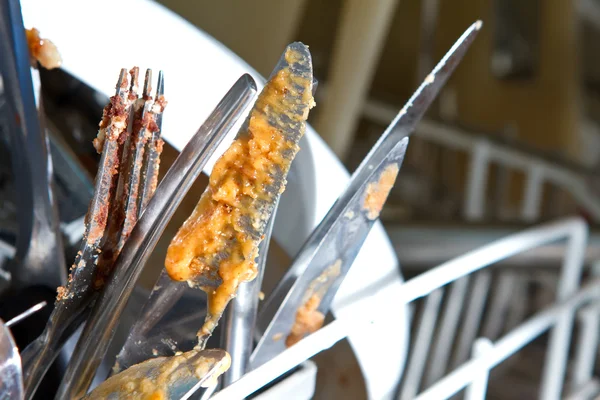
(297, 57)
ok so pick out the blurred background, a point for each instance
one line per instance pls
(528, 84)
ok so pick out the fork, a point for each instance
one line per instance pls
(97, 334)
(126, 122)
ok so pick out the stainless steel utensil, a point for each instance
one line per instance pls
(11, 375)
(237, 337)
(300, 301)
(100, 326)
(173, 378)
(273, 129)
(116, 188)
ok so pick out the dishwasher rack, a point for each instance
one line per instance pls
(572, 299)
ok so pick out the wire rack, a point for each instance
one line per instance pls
(575, 309)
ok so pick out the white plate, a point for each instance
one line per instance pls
(97, 38)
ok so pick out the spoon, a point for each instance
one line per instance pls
(176, 377)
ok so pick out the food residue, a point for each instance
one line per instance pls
(114, 119)
(219, 242)
(377, 192)
(42, 50)
(277, 337)
(308, 318)
(151, 379)
(61, 293)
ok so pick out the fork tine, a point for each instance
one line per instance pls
(134, 83)
(72, 301)
(147, 84)
(143, 125)
(106, 178)
(117, 207)
(155, 146)
(160, 85)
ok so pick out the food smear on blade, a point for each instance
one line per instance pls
(152, 379)
(219, 241)
(42, 50)
(308, 318)
(377, 192)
